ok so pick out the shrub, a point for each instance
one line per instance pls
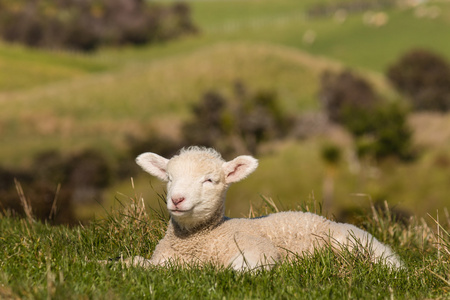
(76, 178)
(380, 128)
(236, 125)
(88, 173)
(381, 132)
(340, 92)
(155, 142)
(260, 118)
(208, 124)
(424, 78)
(331, 154)
(232, 125)
(85, 25)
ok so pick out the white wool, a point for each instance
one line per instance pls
(197, 180)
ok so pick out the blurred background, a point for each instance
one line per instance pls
(345, 103)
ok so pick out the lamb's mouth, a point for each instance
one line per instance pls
(179, 212)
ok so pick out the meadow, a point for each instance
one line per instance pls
(41, 261)
(70, 101)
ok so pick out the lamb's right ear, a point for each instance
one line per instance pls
(153, 164)
(239, 168)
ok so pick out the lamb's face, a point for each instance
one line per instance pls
(196, 188)
(197, 181)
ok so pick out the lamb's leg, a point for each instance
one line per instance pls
(253, 252)
(136, 261)
(351, 236)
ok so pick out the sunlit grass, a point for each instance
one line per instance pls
(111, 105)
(40, 261)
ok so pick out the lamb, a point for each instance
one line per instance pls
(198, 231)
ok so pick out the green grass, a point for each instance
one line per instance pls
(40, 261)
(122, 102)
(23, 68)
(376, 48)
(351, 42)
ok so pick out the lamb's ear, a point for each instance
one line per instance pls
(239, 168)
(153, 164)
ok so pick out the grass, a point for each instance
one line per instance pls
(96, 103)
(23, 68)
(40, 261)
(351, 42)
(379, 47)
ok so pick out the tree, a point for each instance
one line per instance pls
(381, 132)
(85, 25)
(379, 128)
(340, 92)
(424, 78)
(207, 126)
(236, 125)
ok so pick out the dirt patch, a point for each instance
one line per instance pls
(430, 129)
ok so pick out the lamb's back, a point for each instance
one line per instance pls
(291, 232)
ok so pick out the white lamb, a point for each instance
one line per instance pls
(198, 232)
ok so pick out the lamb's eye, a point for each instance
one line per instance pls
(208, 180)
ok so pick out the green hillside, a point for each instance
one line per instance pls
(157, 91)
(70, 101)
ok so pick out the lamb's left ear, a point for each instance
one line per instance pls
(239, 168)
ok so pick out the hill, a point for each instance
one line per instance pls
(71, 101)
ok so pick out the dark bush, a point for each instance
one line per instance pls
(340, 92)
(331, 154)
(260, 118)
(88, 168)
(236, 125)
(49, 165)
(87, 24)
(208, 124)
(380, 128)
(88, 173)
(40, 195)
(154, 142)
(424, 77)
(54, 183)
(231, 125)
(381, 132)
(8, 195)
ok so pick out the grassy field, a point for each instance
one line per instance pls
(44, 262)
(71, 101)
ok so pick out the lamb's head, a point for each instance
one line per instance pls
(197, 181)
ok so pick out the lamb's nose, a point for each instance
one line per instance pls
(177, 200)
